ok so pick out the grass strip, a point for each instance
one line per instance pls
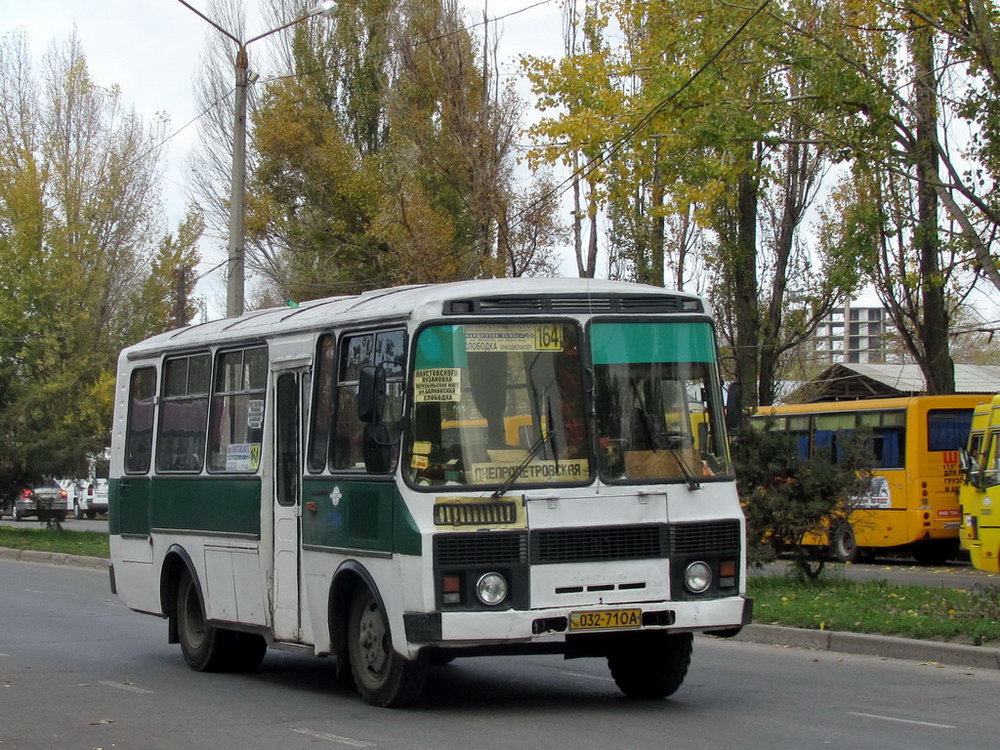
(89, 543)
(832, 603)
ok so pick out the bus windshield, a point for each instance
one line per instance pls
(498, 404)
(658, 402)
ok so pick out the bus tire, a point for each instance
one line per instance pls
(651, 669)
(207, 648)
(843, 544)
(382, 676)
(91, 514)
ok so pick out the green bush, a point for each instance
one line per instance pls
(786, 498)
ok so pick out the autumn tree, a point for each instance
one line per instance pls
(79, 220)
(906, 82)
(382, 152)
(694, 125)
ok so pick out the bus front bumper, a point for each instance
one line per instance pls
(460, 629)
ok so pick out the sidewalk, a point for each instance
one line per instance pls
(890, 647)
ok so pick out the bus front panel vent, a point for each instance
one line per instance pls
(480, 548)
(598, 544)
(716, 537)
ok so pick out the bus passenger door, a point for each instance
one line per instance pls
(285, 596)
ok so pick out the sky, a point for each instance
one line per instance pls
(151, 49)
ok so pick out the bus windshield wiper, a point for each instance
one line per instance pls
(692, 483)
(519, 469)
(656, 437)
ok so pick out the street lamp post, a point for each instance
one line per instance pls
(236, 268)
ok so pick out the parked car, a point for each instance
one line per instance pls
(95, 498)
(44, 498)
(75, 489)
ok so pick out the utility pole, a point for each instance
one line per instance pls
(180, 296)
(236, 268)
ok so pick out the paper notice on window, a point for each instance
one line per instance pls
(255, 414)
(243, 457)
(513, 338)
(437, 385)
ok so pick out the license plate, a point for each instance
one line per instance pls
(605, 619)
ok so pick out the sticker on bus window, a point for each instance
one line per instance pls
(420, 462)
(514, 338)
(876, 495)
(423, 447)
(437, 385)
(243, 457)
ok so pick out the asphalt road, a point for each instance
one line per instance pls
(78, 670)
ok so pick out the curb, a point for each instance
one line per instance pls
(54, 558)
(891, 647)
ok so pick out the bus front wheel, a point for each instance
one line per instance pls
(651, 669)
(382, 676)
(207, 648)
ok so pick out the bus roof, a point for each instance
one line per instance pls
(521, 296)
(958, 400)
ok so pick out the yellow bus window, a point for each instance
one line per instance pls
(835, 421)
(798, 424)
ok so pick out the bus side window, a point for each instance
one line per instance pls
(237, 415)
(139, 427)
(321, 424)
(386, 348)
(180, 432)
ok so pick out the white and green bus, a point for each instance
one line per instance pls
(415, 474)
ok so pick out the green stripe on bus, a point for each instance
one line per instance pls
(229, 505)
(620, 343)
(357, 514)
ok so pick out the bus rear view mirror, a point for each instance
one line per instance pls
(734, 406)
(371, 394)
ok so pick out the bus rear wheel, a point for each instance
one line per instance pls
(382, 676)
(843, 545)
(207, 648)
(652, 669)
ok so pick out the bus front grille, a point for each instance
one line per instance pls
(599, 544)
(486, 548)
(716, 537)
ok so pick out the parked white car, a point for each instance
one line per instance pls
(94, 499)
(74, 493)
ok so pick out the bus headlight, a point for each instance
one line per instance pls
(491, 588)
(697, 577)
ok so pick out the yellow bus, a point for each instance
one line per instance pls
(980, 492)
(912, 506)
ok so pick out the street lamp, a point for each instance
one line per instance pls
(237, 197)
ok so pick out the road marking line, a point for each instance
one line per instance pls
(334, 738)
(585, 675)
(902, 721)
(126, 686)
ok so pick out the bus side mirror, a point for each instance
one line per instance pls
(734, 406)
(377, 449)
(371, 394)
